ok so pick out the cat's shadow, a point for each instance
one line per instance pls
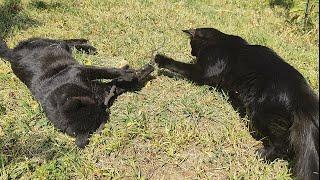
(234, 101)
(12, 16)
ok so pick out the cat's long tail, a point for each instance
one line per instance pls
(5, 52)
(305, 136)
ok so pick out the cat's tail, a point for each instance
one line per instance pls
(305, 136)
(5, 52)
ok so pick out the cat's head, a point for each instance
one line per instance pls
(81, 114)
(202, 37)
(84, 116)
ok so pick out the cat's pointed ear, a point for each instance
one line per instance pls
(190, 32)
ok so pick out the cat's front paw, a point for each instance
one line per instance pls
(127, 75)
(161, 60)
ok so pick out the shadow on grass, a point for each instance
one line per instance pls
(2, 109)
(287, 4)
(44, 5)
(33, 153)
(37, 146)
(12, 18)
(234, 101)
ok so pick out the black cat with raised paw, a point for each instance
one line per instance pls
(69, 93)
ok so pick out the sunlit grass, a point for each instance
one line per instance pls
(172, 129)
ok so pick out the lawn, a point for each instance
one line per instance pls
(172, 128)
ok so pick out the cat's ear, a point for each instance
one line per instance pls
(190, 32)
(75, 103)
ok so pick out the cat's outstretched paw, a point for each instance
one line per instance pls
(161, 60)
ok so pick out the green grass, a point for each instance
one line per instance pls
(171, 129)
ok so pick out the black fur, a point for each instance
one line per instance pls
(72, 98)
(276, 97)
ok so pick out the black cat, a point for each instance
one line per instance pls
(69, 93)
(276, 97)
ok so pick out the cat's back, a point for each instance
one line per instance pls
(271, 71)
(264, 60)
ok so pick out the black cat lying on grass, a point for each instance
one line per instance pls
(276, 97)
(67, 91)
